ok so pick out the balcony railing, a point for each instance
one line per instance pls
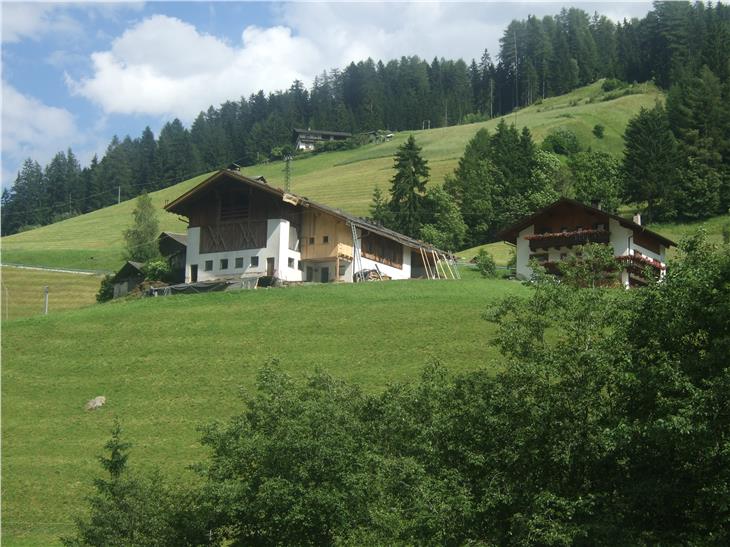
(567, 239)
(639, 262)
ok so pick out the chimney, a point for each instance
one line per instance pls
(637, 218)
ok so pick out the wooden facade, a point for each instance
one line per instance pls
(324, 237)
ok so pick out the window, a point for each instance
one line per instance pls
(254, 261)
(311, 241)
(300, 266)
(224, 263)
(343, 269)
(290, 262)
(239, 262)
(325, 239)
(208, 265)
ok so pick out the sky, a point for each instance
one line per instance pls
(76, 74)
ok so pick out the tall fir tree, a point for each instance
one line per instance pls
(408, 187)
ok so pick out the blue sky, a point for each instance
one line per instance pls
(74, 75)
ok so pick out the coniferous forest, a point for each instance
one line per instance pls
(677, 156)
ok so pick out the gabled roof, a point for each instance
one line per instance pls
(182, 239)
(511, 233)
(324, 133)
(130, 269)
(179, 206)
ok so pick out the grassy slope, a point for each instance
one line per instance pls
(154, 362)
(342, 179)
(22, 292)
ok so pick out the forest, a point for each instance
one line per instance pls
(683, 48)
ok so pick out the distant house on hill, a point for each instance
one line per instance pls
(173, 247)
(307, 139)
(240, 227)
(127, 278)
(552, 233)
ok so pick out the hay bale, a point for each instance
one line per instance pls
(96, 402)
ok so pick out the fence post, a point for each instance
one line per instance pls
(45, 300)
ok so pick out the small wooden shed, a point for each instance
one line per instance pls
(127, 278)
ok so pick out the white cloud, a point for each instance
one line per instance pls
(31, 128)
(164, 66)
(32, 20)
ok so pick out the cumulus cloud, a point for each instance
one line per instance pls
(32, 20)
(31, 128)
(164, 66)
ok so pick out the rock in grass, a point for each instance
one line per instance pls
(96, 402)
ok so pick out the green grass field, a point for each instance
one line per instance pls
(22, 292)
(343, 179)
(167, 365)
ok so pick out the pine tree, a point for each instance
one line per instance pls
(650, 162)
(408, 187)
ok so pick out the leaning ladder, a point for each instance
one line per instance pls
(356, 254)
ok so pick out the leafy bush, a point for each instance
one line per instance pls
(27, 228)
(476, 117)
(333, 146)
(611, 84)
(58, 217)
(157, 270)
(599, 130)
(106, 289)
(561, 141)
(606, 424)
(485, 264)
(726, 233)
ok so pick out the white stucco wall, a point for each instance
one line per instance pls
(277, 247)
(394, 273)
(619, 237)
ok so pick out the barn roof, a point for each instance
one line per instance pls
(322, 133)
(511, 233)
(182, 239)
(180, 206)
(130, 269)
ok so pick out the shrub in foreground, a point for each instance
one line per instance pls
(609, 424)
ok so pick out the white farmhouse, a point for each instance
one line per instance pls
(241, 227)
(552, 233)
(308, 139)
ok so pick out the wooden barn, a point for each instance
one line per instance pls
(242, 227)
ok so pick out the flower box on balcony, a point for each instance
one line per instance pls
(639, 262)
(567, 239)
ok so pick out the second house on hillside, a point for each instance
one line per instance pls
(239, 227)
(553, 233)
(308, 139)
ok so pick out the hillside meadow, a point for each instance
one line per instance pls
(170, 364)
(344, 179)
(22, 291)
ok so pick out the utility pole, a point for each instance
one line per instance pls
(287, 173)
(491, 98)
(119, 195)
(517, 94)
(45, 300)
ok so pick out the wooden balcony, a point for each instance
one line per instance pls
(327, 251)
(567, 239)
